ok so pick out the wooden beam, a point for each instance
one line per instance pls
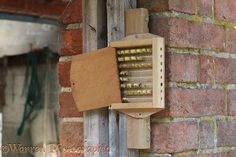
(96, 121)
(117, 121)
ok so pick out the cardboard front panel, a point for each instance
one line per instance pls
(94, 79)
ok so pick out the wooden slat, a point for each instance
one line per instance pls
(136, 21)
(159, 73)
(138, 131)
(131, 43)
(117, 124)
(96, 121)
(92, 86)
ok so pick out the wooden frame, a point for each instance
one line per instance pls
(158, 77)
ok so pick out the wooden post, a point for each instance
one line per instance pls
(95, 122)
(138, 130)
(117, 121)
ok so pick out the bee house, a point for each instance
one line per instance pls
(128, 76)
(141, 67)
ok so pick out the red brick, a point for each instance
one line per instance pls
(182, 68)
(72, 13)
(207, 69)
(225, 10)
(65, 52)
(206, 134)
(67, 106)
(182, 33)
(231, 154)
(64, 73)
(225, 70)
(71, 155)
(52, 8)
(193, 103)
(166, 5)
(232, 102)
(33, 7)
(218, 70)
(226, 135)
(71, 134)
(230, 40)
(204, 155)
(174, 137)
(189, 34)
(160, 26)
(183, 6)
(206, 7)
(72, 41)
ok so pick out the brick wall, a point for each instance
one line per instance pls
(71, 127)
(44, 8)
(200, 115)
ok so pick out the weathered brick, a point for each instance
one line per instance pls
(225, 70)
(218, 70)
(182, 68)
(226, 135)
(231, 154)
(65, 52)
(160, 26)
(225, 10)
(206, 134)
(206, 7)
(230, 40)
(71, 155)
(72, 13)
(182, 33)
(207, 69)
(190, 34)
(193, 103)
(71, 134)
(33, 7)
(174, 137)
(224, 154)
(166, 5)
(232, 102)
(67, 106)
(72, 41)
(183, 6)
(64, 73)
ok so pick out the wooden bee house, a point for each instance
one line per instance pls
(141, 66)
(128, 76)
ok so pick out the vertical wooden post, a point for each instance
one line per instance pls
(117, 121)
(94, 37)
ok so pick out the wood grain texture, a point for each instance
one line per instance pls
(117, 121)
(96, 121)
(136, 21)
(94, 80)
